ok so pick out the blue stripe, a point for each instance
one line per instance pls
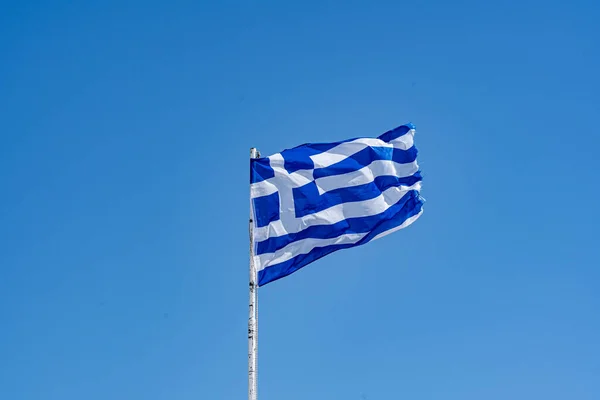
(396, 132)
(307, 199)
(346, 226)
(278, 271)
(298, 157)
(364, 158)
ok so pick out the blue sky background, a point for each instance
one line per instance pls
(124, 137)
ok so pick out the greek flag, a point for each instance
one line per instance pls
(315, 199)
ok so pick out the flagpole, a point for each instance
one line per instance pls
(253, 309)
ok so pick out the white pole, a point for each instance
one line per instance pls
(253, 310)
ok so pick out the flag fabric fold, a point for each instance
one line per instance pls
(318, 198)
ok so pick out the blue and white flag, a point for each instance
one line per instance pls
(315, 199)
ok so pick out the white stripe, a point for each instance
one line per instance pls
(404, 225)
(305, 246)
(366, 175)
(336, 213)
(345, 150)
(405, 141)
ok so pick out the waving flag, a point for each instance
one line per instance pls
(315, 199)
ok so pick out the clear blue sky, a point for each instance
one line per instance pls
(124, 137)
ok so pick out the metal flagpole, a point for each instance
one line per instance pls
(253, 309)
